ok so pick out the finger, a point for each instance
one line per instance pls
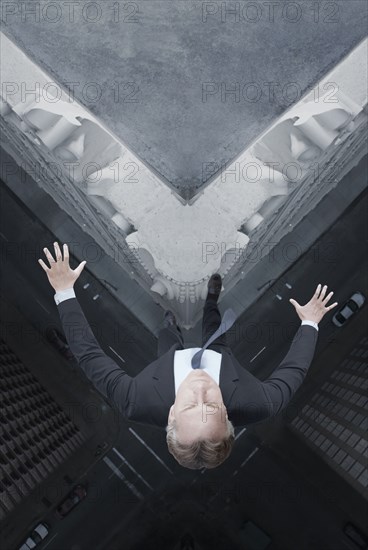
(316, 294)
(294, 302)
(328, 297)
(79, 269)
(331, 306)
(323, 292)
(43, 265)
(49, 255)
(66, 252)
(57, 251)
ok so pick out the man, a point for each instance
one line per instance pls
(198, 400)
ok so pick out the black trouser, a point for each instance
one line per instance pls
(210, 323)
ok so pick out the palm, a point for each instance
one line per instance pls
(60, 274)
(316, 308)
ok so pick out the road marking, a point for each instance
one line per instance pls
(150, 450)
(246, 460)
(118, 473)
(112, 349)
(133, 469)
(50, 540)
(43, 307)
(264, 347)
(240, 433)
(249, 457)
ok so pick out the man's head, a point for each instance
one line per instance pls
(199, 433)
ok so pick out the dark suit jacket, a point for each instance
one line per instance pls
(147, 397)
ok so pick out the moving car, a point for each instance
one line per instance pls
(355, 302)
(75, 496)
(36, 536)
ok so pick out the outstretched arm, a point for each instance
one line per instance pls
(104, 373)
(281, 386)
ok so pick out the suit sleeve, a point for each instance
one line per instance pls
(104, 373)
(281, 386)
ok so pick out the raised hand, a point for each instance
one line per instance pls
(316, 308)
(60, 274)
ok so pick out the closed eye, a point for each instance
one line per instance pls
(190, 406)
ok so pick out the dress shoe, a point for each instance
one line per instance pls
(214, 286)
(169, 319)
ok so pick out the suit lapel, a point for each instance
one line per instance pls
(228, 376)
(163, 376)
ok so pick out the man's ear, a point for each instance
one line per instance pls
(171, 413)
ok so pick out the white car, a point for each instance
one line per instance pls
(36, 536)
(355, 302)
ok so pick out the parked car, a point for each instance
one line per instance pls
(58, 340)
(355, 302)
(74, 497)
(38, 534)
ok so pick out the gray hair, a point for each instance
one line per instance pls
(203, 453)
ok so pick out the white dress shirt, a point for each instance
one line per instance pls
(211, 359)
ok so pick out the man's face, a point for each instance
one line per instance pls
(199, 410)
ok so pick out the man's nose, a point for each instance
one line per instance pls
(200, 392)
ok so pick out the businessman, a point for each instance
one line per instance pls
(197, 394)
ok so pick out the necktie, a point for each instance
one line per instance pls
(228, 320)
